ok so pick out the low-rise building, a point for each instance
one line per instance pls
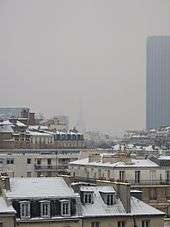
(50, 202)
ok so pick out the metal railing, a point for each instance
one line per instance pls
(50, 167)
(132, 182)
(149, 182)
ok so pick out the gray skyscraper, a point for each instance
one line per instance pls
(158, 82)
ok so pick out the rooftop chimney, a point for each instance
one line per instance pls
(6, 183)
(94, 157)
(123, 192)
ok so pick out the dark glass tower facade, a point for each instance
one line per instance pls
(158, 82)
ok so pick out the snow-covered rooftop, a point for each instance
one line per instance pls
(162, 157)
(20, 124)
(5, 208)
(38, 188)
(38, 133)
(37, 127)
(134, 163)
(6, 126)
(100, 208)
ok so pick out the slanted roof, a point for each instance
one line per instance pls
(135, 163)
(5, 208)
(99, 208)
(38, 133)
(20, 124)
(45, 187)
(6, 126)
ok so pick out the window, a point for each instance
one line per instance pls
(153, 194)
(87, 198)
(28, 174)
(45, 208)
(137, 176)
(109, 200)
(25, 209)
(1, 162)
(49, 161)
(121, 224)
(95, 224)
(167, 175)
(145, 223)
(10, 161)
(28, 160)
(122, 175)
(39, 161)
(108, 174)
(65, 208)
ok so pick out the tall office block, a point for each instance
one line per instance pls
(158, 82)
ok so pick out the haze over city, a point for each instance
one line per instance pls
(77, 56)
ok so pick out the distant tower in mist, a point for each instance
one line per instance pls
(80, 120)
(158, 82)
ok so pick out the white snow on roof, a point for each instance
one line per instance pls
(162, 157)
(37, 133)
(44, 187)
(4, 207)
(99, 208)
(7, 122)
(104, 189)
(20, 124)
(38, 127)
(6, 126)
(135, 163)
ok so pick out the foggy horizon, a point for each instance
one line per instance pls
(84, 59)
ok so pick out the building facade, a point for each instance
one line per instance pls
(151, 176)
(15, 134)
(50, 202)
(158, 82)
(37, 162)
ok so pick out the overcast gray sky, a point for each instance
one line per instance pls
(72, 56)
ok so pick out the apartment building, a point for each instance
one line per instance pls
(150, 175)
(15, 134)
(50, 202)
(36, 162)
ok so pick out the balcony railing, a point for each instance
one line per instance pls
(149, 182)
(132, 182)
(49, 167)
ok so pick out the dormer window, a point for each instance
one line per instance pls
(24, 209)
(109, 199)
(45, 208)
(88, 197)
(65, 207)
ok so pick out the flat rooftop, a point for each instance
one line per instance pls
(45, 187)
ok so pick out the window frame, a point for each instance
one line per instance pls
(110, 199)
(153, 194)
(29, 161)
(87, 197)
(45, 209)
(146, 223)
(65, 206)
(95, 224)
(121, 224)
(25, 209)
